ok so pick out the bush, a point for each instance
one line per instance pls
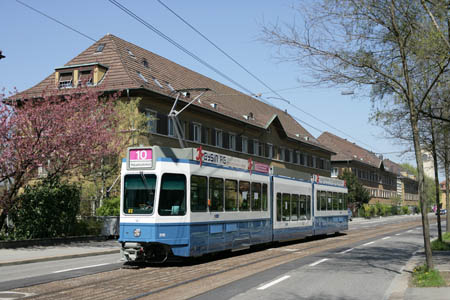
(394, 210)
(46, 210)
(110, 207)
(405, 210)
(365, 211)
(89, 226)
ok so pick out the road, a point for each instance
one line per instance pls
(365, 260)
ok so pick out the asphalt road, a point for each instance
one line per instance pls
(362, 271)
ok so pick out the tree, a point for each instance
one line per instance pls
(59, 133)
(380, 44)
(357, 193)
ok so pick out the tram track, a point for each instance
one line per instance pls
(187, 279)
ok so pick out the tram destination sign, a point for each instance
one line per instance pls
(140, 158)
(329, 181)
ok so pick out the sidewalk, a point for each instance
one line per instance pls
(400, 290)
(23, 255)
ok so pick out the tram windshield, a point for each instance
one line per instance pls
(139, 193)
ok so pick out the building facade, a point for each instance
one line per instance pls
(443, 199)
(223, 120)
(385, 180)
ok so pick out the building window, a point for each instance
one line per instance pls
(256, 148)
(302, 159)
(232, 141)
(151, 120)
(244, 144)
(269, 153)
(145, 63)
(131, 54)
(219, 138)
(85, 78)
(282, 153)
(100, 48)
(170, 130)
(334, 172)
(65, 80)
(291, 157)
(197, 132)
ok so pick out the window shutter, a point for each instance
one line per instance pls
(239, 143)
(213, 137)
(162, 124)
(191, 131)
(205, 131)
(226, 140)
(250, 146)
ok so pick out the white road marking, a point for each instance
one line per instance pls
(385, 238)
(398, 234)
(409, 230)
(273, 282)
(92, 266)
(367, 244)
(318, 262)
(290, 250)
(348, 250)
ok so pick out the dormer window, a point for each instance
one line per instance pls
(100, 48)
(157, 82)
(65, 80)
(145, 63)
(85, 78)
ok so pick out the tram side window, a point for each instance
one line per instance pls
(199, 193)
(323, 200)
(231, 195)
(216, 194)
(279, 206)
(264, 197)
(286, 212)
(329, 201)
(308, 207)
(302, 207)
(295, 205)
(345, 201)
(335, 201)
(244, 195)
(139, 194)
(341, 201)
(172, 197)
(256, 196)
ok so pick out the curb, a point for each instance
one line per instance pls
(399, 285)
(43, 259)
(50, 241)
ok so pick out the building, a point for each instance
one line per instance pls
(386, 181)
(428, 163)
(443, 199)
(223, 120)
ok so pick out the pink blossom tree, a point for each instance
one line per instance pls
(60, 133)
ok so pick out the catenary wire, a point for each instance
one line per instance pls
(257, 78)
(53, 19)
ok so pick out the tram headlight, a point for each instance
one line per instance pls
(137, 232)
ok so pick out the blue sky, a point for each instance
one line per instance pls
(34, 46)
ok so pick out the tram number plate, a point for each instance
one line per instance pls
(141, 158)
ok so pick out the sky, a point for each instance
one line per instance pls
(35, 45)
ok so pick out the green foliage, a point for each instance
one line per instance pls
(405, 210)
(357, 193)
(430, 189)
(46, 210)
(423, 277)
(110, 207)
(437, 245)
(88, 226)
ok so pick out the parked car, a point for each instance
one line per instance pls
(442, 212)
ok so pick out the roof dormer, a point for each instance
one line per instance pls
(80, 75)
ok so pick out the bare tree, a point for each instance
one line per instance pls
(370, 43)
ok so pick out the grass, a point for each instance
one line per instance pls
(427, 278)
(442, 246)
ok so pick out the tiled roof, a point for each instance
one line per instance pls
(346, 150)
(124, 60)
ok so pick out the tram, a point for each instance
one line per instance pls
(189, 202)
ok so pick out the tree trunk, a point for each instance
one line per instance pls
(3, 216)
(421, 179)
(436, 178)
(447, 177)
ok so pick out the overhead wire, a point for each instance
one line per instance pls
(258, 79)
(55, 20)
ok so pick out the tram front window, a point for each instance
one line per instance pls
(139, 193)
(172, 197)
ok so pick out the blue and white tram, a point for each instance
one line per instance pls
(189, 202)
